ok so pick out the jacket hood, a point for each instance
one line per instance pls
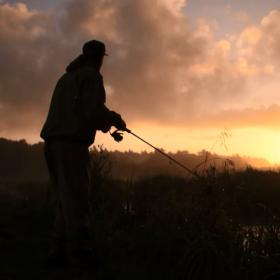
(79, 62)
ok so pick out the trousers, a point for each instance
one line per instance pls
(68, 165)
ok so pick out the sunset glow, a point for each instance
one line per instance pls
(251, 142)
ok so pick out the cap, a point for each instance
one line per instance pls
(94, 48)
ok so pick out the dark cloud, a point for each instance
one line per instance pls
(154, 52)
(31, 58)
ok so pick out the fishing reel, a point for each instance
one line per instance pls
(117, 135)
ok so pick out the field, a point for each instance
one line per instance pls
(224, 225)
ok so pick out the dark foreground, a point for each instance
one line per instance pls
(224, 226)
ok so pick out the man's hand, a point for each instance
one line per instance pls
(121, 125)
(106, 128)
(118, 122)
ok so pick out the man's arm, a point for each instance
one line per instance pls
(93, 105)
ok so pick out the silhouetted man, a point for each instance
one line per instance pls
(77, 111)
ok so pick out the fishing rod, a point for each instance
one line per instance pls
(117, 135)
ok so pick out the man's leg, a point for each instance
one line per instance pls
(73, 184)
(57, 254)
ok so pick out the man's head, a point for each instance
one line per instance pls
(94, 51)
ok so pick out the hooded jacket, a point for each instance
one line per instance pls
(77, 107)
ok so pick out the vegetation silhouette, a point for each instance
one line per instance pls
(224, 226)
(27, 162)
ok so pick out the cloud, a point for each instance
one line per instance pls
(259, 44)
(19, 36)
(31, 58)
(161, 68)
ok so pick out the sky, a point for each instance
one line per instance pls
(183, 74)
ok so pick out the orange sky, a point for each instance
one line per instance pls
(179, 72)
(253, 142)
